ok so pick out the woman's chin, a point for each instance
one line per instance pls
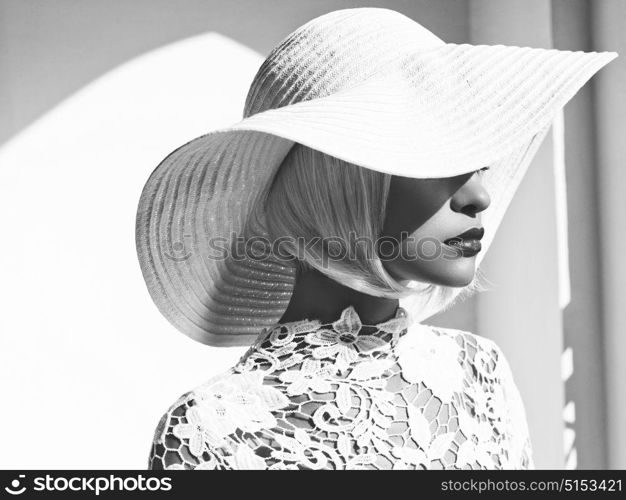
(458, 273)
(459, 281)
(455, 280)
(452, 273)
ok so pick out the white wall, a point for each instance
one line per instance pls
(87, 363)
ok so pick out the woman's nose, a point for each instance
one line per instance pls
(472, 197)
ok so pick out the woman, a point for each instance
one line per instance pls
(373, 164)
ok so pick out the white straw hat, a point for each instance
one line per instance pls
(371, 87)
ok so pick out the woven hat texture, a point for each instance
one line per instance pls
(369, 86)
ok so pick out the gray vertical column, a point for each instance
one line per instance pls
(608, 19)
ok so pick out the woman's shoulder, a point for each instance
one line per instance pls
(472, 346)
(179, 441)
(455, 354)
(454, 360)
(486, 351)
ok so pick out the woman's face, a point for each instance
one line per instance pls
(422, 220)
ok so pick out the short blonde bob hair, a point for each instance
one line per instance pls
(319, 198)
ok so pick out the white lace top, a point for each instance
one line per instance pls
(345, 395)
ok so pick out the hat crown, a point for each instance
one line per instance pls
(319, 58)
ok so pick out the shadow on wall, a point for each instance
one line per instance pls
(50, 50)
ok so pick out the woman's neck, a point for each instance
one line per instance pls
(316, 296)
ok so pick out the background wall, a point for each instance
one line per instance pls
(94, 93)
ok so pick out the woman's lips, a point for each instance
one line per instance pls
(467, 242)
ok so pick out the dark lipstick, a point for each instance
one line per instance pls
(468, 241)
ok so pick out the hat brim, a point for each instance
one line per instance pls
(441, 112)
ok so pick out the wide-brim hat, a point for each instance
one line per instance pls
(369, 86)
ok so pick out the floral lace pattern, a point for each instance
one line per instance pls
(345, 395)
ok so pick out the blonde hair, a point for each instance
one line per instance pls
(315, 196)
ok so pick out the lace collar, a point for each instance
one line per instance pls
(342, 341)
